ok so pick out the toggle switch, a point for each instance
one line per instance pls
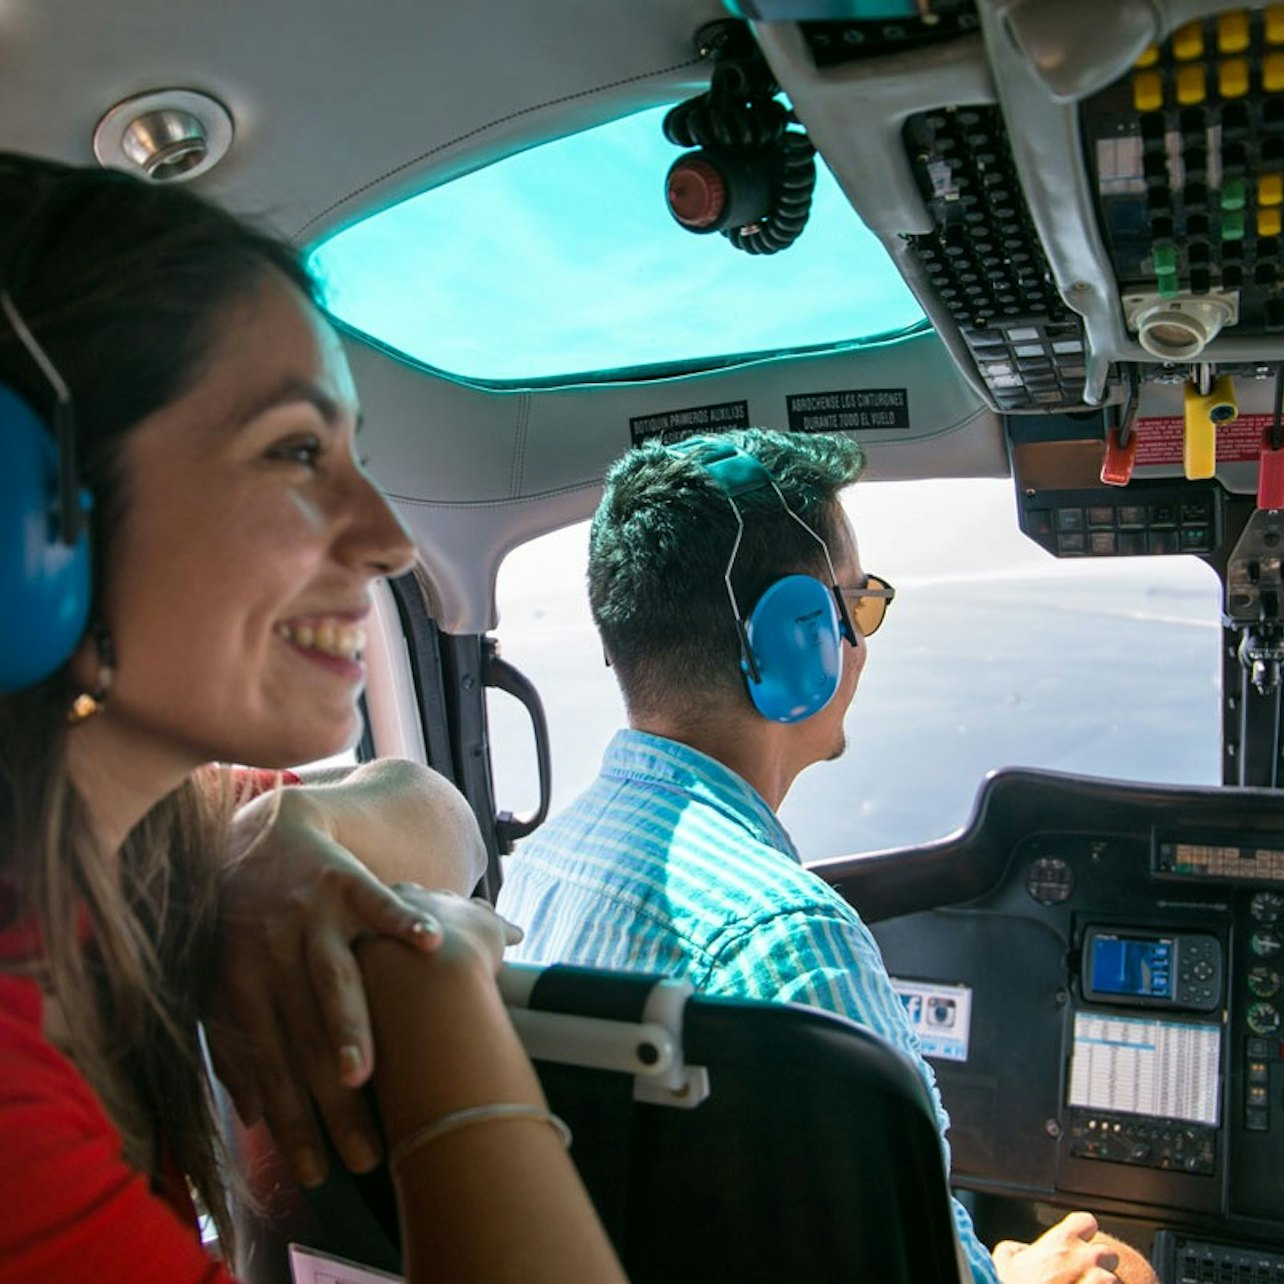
(1117, 466)
(1270, 474)
(1121, 440)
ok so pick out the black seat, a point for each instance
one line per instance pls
(720, 1139)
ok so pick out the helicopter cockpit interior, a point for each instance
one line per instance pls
(1086, 201)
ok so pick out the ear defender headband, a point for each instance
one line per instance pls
(44, 539)
(791, 643)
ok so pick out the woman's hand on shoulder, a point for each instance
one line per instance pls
(288, 1018)
(471, 932)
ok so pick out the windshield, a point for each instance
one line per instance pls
(993, 654)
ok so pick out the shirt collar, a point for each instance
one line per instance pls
(639, 755)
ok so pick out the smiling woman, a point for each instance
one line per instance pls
(235, 537)
(250, 476)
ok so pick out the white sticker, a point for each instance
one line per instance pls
(307, 1266)
(940, 1014)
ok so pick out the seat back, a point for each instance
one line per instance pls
(814, 1155)
(719, 1139)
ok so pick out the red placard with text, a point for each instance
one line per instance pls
(1159, 441)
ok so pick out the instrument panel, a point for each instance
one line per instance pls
(1121, 949)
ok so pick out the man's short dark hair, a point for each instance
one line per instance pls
(659, 546)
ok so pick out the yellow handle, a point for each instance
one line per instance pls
(1203, 413)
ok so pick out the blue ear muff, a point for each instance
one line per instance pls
(44, 582)
(795, 637)
(791, 646)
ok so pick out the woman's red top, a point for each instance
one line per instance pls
(71, 1209)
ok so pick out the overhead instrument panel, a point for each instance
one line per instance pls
(901, 100)
(1080, 194)
(1185, 155)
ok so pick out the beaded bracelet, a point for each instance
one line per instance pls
(466, 1118)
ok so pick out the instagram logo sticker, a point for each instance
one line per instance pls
(940, 1016)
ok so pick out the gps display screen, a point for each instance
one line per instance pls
(1141, 967)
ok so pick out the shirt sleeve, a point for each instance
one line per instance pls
(73, 1209)
(829, 960)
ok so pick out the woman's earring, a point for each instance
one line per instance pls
(89, 703)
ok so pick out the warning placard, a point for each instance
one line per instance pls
(1159, 441)
(673, 425)
(848, 409)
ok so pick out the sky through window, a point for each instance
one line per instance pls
(563, 260)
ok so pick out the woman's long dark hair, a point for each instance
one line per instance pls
(123, 285)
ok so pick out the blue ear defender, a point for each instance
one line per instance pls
(44, 542)
(791, 644)
(795, 638)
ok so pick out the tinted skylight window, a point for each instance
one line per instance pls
(564, 260)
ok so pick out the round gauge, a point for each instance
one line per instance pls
(1263, 1018)
(1266, 907)
(1049, 880)
(1266, 942)
(1263, 981)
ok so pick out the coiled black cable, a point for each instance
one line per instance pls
(792, 204)
(730, 114)
(740, 117)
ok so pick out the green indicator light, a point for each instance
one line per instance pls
(1232, 225)
(1168, 285)
(1233, 194)
(1165, 258)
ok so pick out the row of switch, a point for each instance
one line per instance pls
(1190, 87)
(985, 264)
(1233, 35)
(1135, 543)
(1257, 1113)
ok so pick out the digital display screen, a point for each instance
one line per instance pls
(1146, 1066)
(1140, 967)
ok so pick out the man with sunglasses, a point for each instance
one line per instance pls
(673, 860)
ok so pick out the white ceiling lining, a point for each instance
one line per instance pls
(342, 107)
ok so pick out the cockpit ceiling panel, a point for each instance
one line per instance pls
(1064, 196)
(342, 108)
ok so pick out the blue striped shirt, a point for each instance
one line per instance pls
(672, 863)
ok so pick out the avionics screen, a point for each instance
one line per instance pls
(1144, 1066)
(1138, 966)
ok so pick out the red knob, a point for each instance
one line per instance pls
(697, 192)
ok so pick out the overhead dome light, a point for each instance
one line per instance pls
(168, 136)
